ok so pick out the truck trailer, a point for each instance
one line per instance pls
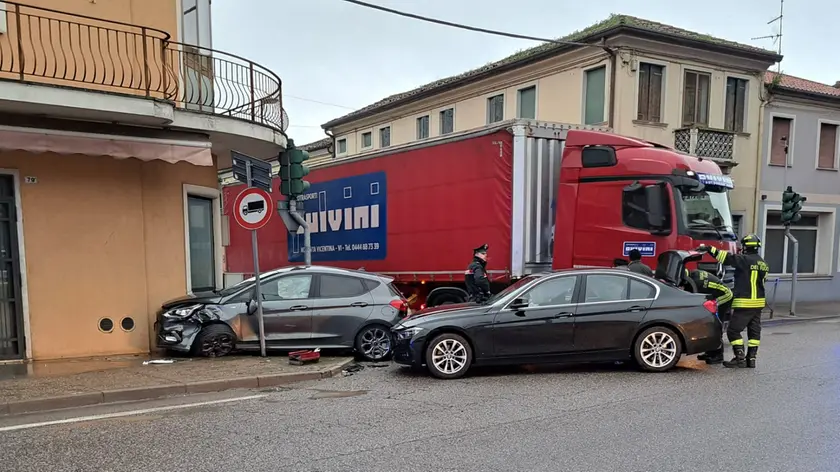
(542, 195)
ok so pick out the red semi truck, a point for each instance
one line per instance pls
(542, 195)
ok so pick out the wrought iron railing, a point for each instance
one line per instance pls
(42, 45)
(705, 142)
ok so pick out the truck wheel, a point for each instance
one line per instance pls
(373, 343)
(657, 349)
(214, 340)
(448, 356)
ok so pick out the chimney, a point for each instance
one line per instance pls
(837, 84)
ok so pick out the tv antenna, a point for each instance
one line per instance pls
(777, 38)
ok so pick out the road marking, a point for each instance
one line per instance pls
(829, 321)
(126, 413)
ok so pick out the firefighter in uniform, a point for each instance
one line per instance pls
(475, 278)
(748, 301)
(708, 284)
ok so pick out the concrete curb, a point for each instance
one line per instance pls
(785, 319)
(159, 391)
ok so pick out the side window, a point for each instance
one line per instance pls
(633, 209)
(370, 284)
(339, 286)
(640, 290)
(598, 156)
(288, 287)
(605, 288)
(558, 291)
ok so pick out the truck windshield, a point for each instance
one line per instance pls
(707, 211)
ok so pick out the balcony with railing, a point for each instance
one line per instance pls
(715, 144)
(50, 47)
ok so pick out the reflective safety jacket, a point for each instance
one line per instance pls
(711, 285)
(750, 274)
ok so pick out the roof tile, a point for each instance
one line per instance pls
(801, 85)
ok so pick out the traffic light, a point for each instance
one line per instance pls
(292, 171)
(791, 206)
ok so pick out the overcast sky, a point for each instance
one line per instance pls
(348, 56)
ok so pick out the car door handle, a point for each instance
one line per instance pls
(565, 314)
(299, 308)
(359, 304)
(635, 309)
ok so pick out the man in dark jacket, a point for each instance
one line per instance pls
(475, 278)
(709, 284)
(636, 265)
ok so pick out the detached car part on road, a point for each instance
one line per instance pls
(303, 308)
(589, 315)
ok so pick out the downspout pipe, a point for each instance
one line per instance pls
(613, 74)
(331, 135)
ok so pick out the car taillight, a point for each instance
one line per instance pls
(401, 306)
(710, 305)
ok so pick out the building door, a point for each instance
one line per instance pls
(12, 344)
(202, 244)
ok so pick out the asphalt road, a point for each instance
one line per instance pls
(782, 416)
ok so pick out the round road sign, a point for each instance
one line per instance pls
(252, 208)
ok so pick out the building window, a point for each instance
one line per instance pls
(594, 95)
(385, 137)
(423, 127)
(367, 139)
(828, 150)
(342, 146)
(780, 138)
(196, 24)
(495, 108)
(737, 225)
(778, 251)
(696, 98)
(3, 24)
(650, 92)
(527, 104)
(202, 206)
(736, 103)
(447, 121)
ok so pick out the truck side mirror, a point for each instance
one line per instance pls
(657, 207)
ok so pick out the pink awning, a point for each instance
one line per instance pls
(145, 149)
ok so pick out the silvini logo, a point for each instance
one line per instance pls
(347, 219)
(344, 219)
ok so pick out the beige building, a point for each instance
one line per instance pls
(682, 89)
(114, 118)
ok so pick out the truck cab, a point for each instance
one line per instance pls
(618, 193)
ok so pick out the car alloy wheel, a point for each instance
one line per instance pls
(658, 349)
(217, 346)
(375, 343)
(449, 356)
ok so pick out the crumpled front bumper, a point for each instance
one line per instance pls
(176, 335)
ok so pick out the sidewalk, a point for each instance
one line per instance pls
(804, 312)
(42, 386)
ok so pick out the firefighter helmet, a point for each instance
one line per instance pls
(750, 243)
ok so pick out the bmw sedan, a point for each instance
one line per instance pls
(588, 315)
(303, 308)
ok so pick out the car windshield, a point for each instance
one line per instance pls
(707, 209)
(512, 288)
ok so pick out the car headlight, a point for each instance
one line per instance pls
(181, 313)
(408, 333)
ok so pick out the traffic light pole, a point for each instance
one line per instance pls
(307, 242)
(257, 291)
(795, 270)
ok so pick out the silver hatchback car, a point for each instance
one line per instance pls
(303, 308)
